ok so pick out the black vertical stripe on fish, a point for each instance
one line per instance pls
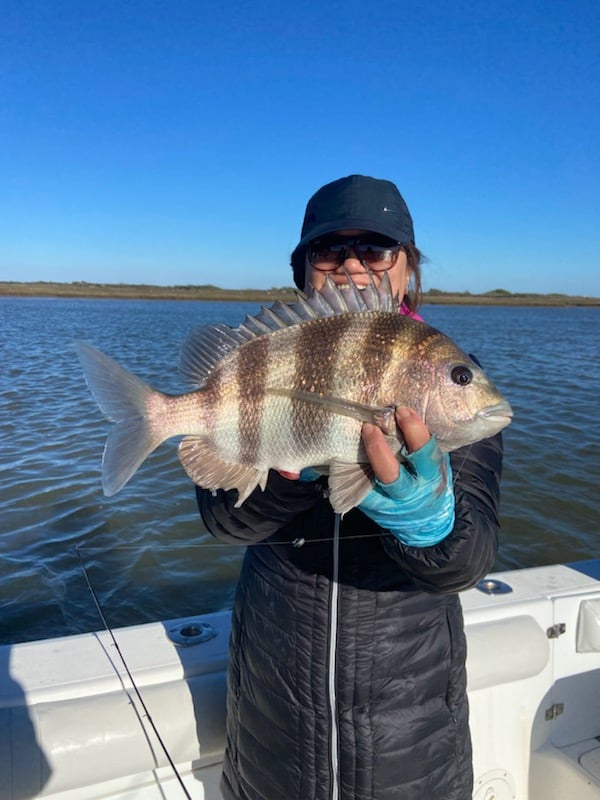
(376, 359)
(316, 354)
(251, 376)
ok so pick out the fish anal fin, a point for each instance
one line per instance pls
(207, 470)
(349, 484)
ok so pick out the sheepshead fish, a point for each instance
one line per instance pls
(290, 388)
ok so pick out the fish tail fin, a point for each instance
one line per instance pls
(125, 400)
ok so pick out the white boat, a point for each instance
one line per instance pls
(73, 727)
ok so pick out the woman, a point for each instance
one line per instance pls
(347, 658)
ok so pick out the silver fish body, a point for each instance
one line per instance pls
(291, 388)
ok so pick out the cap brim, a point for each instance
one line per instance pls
(355, 223)
(346, 224)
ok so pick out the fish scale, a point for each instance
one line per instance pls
(290, 388)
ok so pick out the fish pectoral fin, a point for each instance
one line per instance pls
(207, 470)
(382, 416)
(349, 484)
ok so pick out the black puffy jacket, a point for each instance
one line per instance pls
(347, 660)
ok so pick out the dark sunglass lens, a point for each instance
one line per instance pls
(376, 254)
(322, 256)
(322, 252)
(330, 253)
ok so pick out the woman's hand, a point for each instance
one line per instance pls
(413, 500)
(385, 464)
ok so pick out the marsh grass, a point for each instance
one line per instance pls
(497, 297)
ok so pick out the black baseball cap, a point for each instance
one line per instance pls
(356, 202)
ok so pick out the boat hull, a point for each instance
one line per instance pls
(72, 725)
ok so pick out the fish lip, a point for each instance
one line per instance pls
(499, 411)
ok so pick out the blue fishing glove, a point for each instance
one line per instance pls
(418, 507)
(309, 474)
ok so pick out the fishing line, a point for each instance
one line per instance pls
(456, 473)
(297, 542)
(238, 545)
(133, 683)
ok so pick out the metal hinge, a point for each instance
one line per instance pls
(556, 630)
(554, 711)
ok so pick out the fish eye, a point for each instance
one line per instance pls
(461, 375)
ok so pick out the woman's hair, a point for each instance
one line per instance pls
(414, 295)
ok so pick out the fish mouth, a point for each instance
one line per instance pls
(500, 412)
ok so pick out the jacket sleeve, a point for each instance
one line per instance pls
(262, 514)
(469, 551)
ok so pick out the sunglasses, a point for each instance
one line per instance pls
(329, 253)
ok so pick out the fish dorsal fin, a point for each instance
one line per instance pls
(206, 346)
(373, 297)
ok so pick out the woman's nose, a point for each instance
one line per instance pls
(351, 262)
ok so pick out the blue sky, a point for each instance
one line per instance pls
(178, 142)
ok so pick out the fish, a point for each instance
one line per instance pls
(290, 388)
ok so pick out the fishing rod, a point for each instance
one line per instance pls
(133, 683)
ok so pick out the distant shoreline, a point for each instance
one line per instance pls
(82, 289)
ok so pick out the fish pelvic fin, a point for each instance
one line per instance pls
(207, 470)
(349, 484)
(124, 399)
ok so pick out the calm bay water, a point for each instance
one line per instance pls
(147, 553)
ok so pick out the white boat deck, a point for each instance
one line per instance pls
(73, 728)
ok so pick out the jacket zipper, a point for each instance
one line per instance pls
(331, 689)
